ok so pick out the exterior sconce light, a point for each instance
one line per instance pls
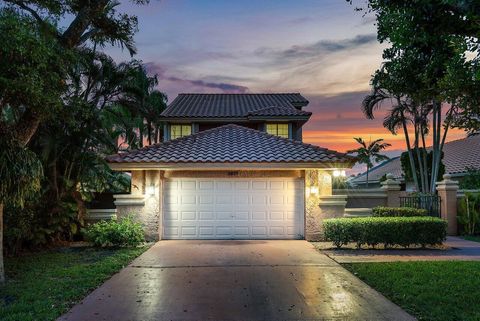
(150, 191)
(338, 173)
(314, 190)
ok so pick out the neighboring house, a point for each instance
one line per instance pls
(458, 156)
(231, 166)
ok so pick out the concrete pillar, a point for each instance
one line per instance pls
(447, 190)
(320, 203)
(392, 188)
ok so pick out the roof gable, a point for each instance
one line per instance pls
(234, 105)
(232, 144)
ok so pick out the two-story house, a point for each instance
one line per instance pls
(232, 166)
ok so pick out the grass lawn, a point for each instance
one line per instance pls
(437, 291)
(474, 238)
(44, 285)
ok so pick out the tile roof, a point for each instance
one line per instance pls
(458, 155)
(232, 144)
(233, 105)
(279, 111)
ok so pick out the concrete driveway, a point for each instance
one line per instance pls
(234, 280)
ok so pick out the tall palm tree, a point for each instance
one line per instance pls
(406, 112)
(144, 101)
(369, 153)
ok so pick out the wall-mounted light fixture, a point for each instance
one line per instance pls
(150, 190)
(314, 190)
(339, 173)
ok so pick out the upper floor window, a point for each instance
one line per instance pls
(278, 130)
(177, 131)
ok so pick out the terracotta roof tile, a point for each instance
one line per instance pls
(231, 144)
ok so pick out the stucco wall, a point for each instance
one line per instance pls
(319, 205)
(144, 203)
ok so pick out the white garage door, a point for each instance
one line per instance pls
(236, 208)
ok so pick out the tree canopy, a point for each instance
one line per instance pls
(430, 75)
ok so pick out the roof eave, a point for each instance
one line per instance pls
(124, 166)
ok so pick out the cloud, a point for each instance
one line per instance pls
(225, 87)
(175, 84)
(322, 47)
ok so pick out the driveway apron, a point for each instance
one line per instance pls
(234, 280)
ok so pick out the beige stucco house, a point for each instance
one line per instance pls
(232, 166)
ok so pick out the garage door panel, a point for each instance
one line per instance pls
(188, 216)
(224, 199)
(259, 199)
(170, 231)
(241, 231)
(242, 199)
(224, 187)
(171, 215)
(188, 199)
(225, 230)
(188, 185)
(206, 231)
(277, 231)
(242, 216)
(277, 216)
(242, 186)
(277, 185)
(277, 199)
(188, 231)
(238, 208)
(259, 185)
(259, 216)
(224, 215)
(205, 199)
(259, 231)
(206, 185)
(206, 216)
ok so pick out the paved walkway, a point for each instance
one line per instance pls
(457, 249)
(234, 280)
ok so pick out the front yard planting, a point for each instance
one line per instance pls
(389, 231)
(44, 285)
(440, 291)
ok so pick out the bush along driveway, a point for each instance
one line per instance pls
(44, 285)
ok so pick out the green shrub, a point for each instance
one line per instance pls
(381, 211)
(403, 231)
(125, 232)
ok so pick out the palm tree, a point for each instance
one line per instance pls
(144, 101)
(366, 154)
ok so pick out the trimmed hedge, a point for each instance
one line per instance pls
(381, 211)
(402, 231)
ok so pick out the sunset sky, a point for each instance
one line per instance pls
(323, 49)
